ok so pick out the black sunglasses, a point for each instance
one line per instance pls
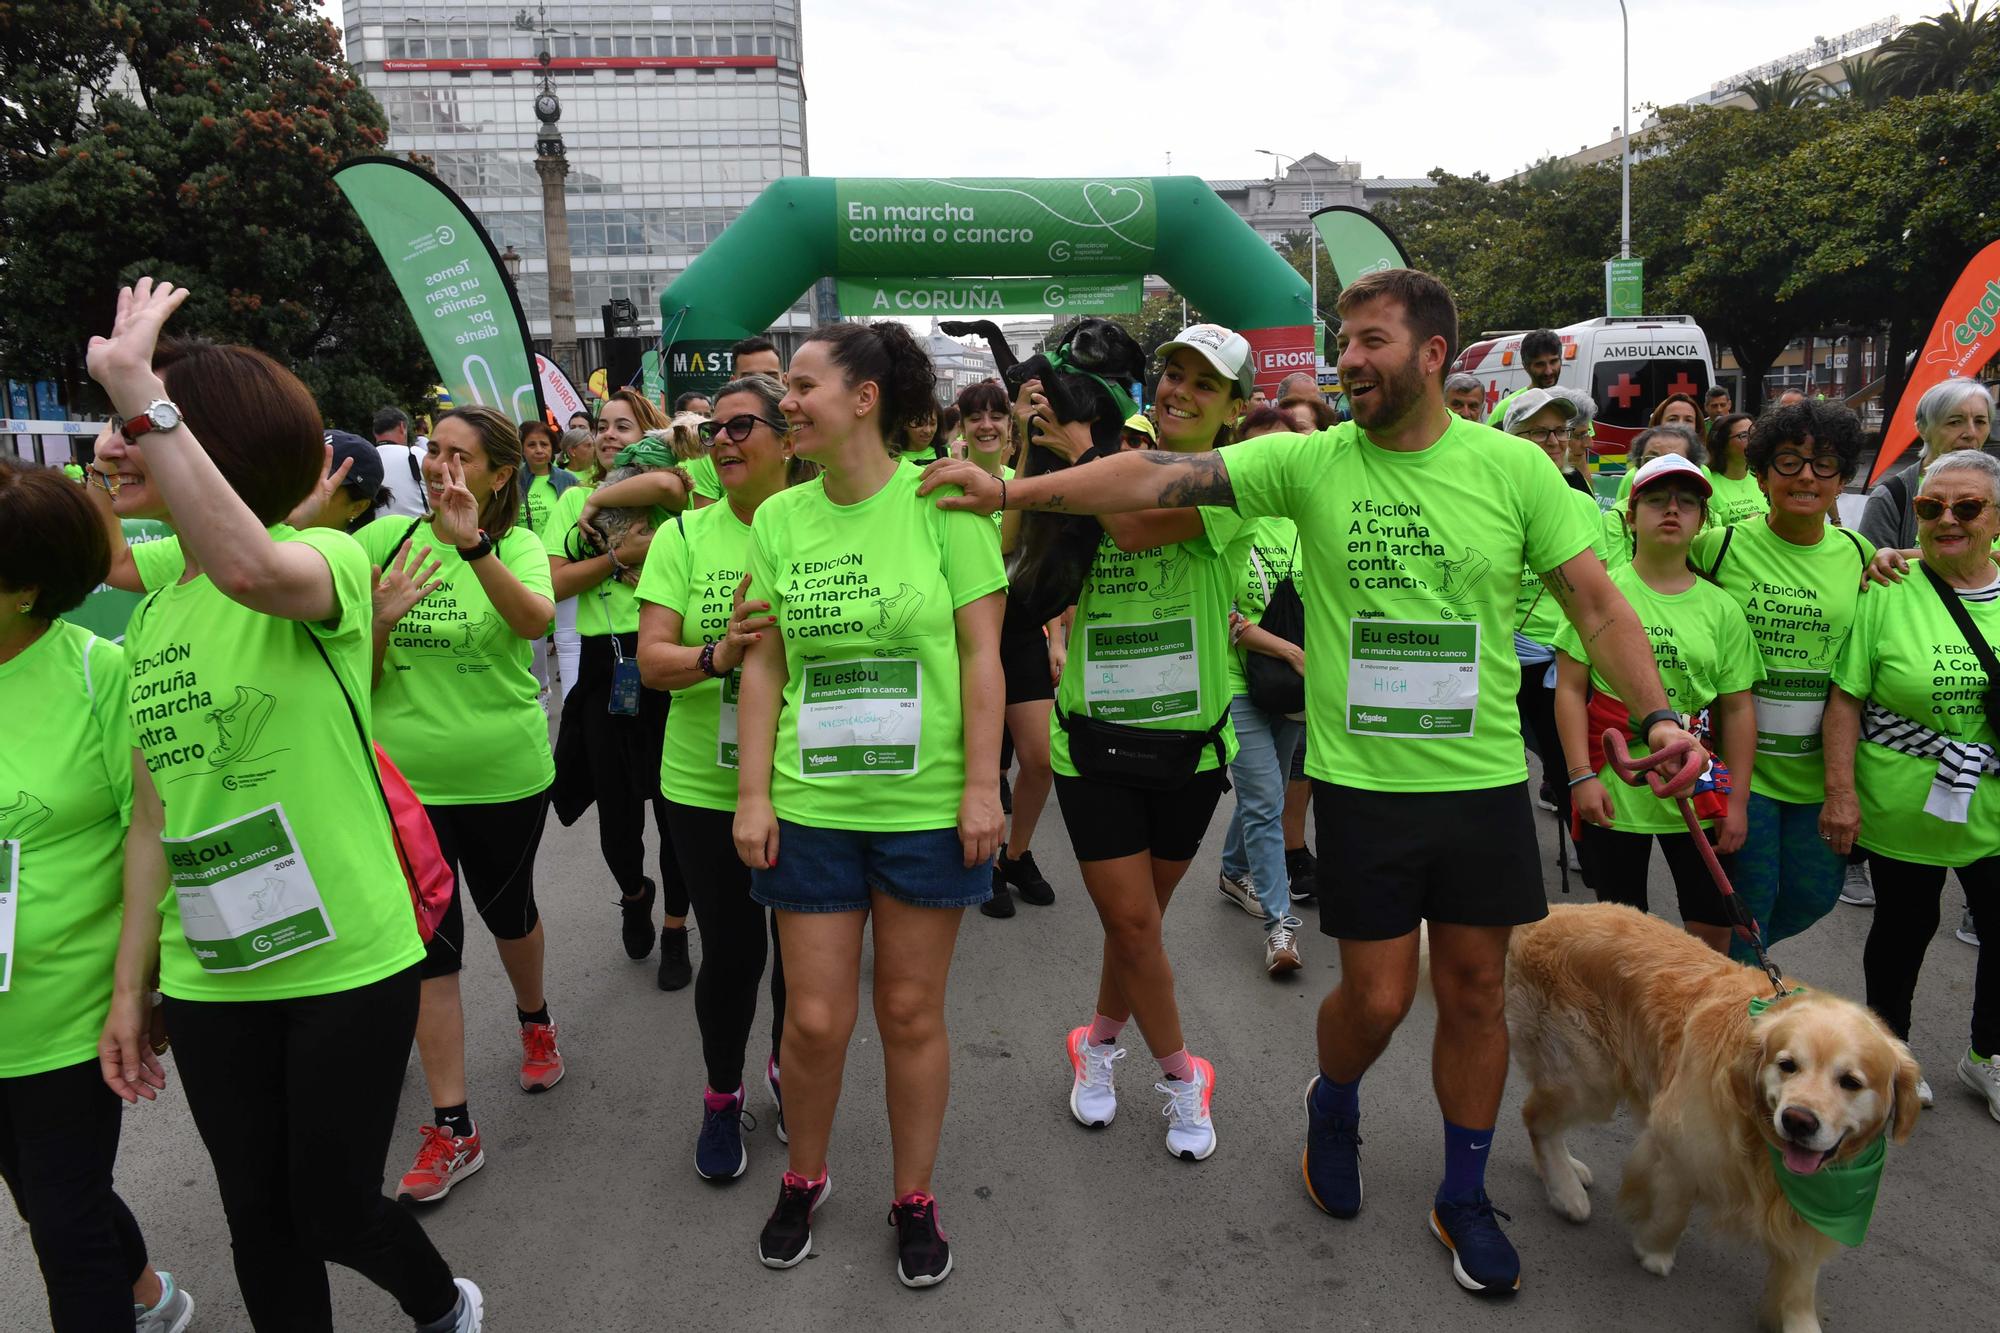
(739, 427)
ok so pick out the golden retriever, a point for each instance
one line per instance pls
(1606, 1005)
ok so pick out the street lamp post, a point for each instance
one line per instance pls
(1625, 140)
(1312, 232)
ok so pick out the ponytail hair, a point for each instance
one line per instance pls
(888, 355)
(500, 440)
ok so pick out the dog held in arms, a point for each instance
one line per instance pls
(1056, 551)
(1606, 1005)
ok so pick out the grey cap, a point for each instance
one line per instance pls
(1530, 401)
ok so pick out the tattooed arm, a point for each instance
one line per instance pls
(1139, 480)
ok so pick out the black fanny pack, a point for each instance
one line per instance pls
(1150, 758)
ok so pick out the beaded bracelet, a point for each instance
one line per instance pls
(1003, 492)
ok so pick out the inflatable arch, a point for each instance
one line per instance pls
(973, 248)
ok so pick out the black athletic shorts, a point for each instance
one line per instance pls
(1106, 821)
(1388, 860)
(1024, 660)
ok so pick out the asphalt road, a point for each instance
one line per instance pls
(589, 1215)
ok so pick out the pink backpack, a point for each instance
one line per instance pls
(424, 868)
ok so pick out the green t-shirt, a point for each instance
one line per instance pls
(1536, 615)
(701, 471)
(1499, 412)
(999, 515)
(923, 457)
(871, 736)
(1615, 541)
(254, 753)
(1800, 602)
(538, 504)
(1150, 646)
(1735, 501)
(1410, 610)
(1907, 655)
(1265, 554)
(158, 563)
(1702, 648)
(457, 706)
(693, 570)
(611, 606)
(65, 798)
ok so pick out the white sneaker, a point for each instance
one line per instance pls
(1093, 1099)
(1857, 890)
(172, 1315)
(1190, 1131)
(1924, 1098)
(1983, 1079)
(1569, 851)
(1966, 932)
(1281, 948)
(469, 1315)
(1243, 892)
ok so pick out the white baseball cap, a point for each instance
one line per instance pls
(1671, 467)
(1530, 401)
(1225, 349)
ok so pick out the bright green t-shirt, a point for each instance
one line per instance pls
(1499, 412)
(158, 563)
(1416, 561)
(1150, 645)
(693, 570)
(1800, 602)
(65, 798)
(1906, 654)
(457, 706)
(1735, 501)
(1702, 648)
(1538, 616)
(999, 515)
(538, 504)
(1266, 553)
(871, 735)
(610, 607)
(256, 758)
(701, 471)
(1614, 542)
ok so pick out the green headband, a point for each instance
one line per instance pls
(648, 453)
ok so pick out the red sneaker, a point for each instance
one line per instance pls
(443, 1161)
(541, 1062)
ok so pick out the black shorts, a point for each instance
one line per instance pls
(1024, 660)
(1388, 860)
(1106, 822)
(1615, 866)
(492, 849)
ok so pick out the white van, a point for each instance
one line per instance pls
(1626, 363)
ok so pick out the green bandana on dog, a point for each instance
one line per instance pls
(1836, 1201)
(1119, 394)
(648, 453)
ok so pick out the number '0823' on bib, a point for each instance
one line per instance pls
(1416, 565)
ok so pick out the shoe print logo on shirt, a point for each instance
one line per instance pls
(896, 614)
(22, 816)
(239, 733)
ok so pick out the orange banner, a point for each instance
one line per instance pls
(1963, 341)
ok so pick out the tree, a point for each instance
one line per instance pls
(1158, 320)
(1788, 90)
(197, 145)
(1948, 52)
(1869, 82)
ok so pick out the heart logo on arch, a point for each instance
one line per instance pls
(1113, 204)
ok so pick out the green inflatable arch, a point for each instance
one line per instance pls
(971, 248)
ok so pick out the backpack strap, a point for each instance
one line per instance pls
(1728, 535)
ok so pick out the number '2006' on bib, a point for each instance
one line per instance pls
(245, 895)
(1412, 677)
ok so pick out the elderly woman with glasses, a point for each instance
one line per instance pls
(1954, 415)
(1911, 747)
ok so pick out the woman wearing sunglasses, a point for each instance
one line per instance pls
(1910, 742)
(694, 628)
(1797, 578)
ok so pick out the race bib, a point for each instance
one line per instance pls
(725, 728)
(1412, 677)
(860, 717)
(245, 895)
(10, 897)
(1140, 673)
(1789, 707)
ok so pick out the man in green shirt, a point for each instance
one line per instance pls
(1542, 357)
(1417, 525)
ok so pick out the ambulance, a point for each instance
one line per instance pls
(1626, 363)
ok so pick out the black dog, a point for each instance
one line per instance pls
(1056, 551)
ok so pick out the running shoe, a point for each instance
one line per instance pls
(1241, 890)
(443, 1160)
(541, 1062)
(675, 969)
(1545, 797)
(719, 1153)
(1190, 1130)
(1001, 905)
(1093, 1099)
(1331, 1163)
(1857, 890)
(467, 1316)
(1967, 933)
(1302, 868)
(1925, 1098)
(1482, 1258)
(777, 1096)
(635, 924)
(923, 1251)
(1983, 1077)
(173, 1314)
(1281, 948)
(1022, 872)
(787, 1237)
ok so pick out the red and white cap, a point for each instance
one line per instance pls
(1668, 468)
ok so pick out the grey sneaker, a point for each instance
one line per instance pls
(1925, 1098)
(172, 1315)
(1241, 890)
(1983, 1078)
(468, 1316)
(1857, 890)
(1281, 948)
(1966, 931)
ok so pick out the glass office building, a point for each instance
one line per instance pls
(675, 117)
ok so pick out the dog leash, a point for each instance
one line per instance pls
(1641, 772)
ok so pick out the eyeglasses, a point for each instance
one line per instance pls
(1545, 434)
(1662, 499)
(1930, 509)
(1790, 465)
(739, 427)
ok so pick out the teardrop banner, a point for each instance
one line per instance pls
(1356, 243)
(1962, 342)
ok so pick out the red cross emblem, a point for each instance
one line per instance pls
(1682, 384)
(1492, 393)
(1625, 390)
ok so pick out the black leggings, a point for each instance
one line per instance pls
(623, 757)
(733, 926)
(1615, 866)
(1906, 919)
(296, 1100)
(492, 850)
(58, 1140)
(1537, 706)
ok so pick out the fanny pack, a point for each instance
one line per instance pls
(1149, 758)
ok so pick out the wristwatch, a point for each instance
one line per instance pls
(479, 550)
(1644, 729)
(160, 414)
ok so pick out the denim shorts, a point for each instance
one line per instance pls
(832, 870)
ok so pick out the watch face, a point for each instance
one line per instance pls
(547, 107)
(164, 415)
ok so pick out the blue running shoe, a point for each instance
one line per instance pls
(719, 1153)
(1482, 1258)
(1332, 1160)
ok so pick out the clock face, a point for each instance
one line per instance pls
(547, 107)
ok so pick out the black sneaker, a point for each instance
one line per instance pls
(675, 969)
(923, 1252)
(636, 925)
(1001, 904)
(1302, 869)
(1022, 872)
(787, 1237)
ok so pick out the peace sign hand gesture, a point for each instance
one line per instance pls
(455, 518)
(123, 362)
